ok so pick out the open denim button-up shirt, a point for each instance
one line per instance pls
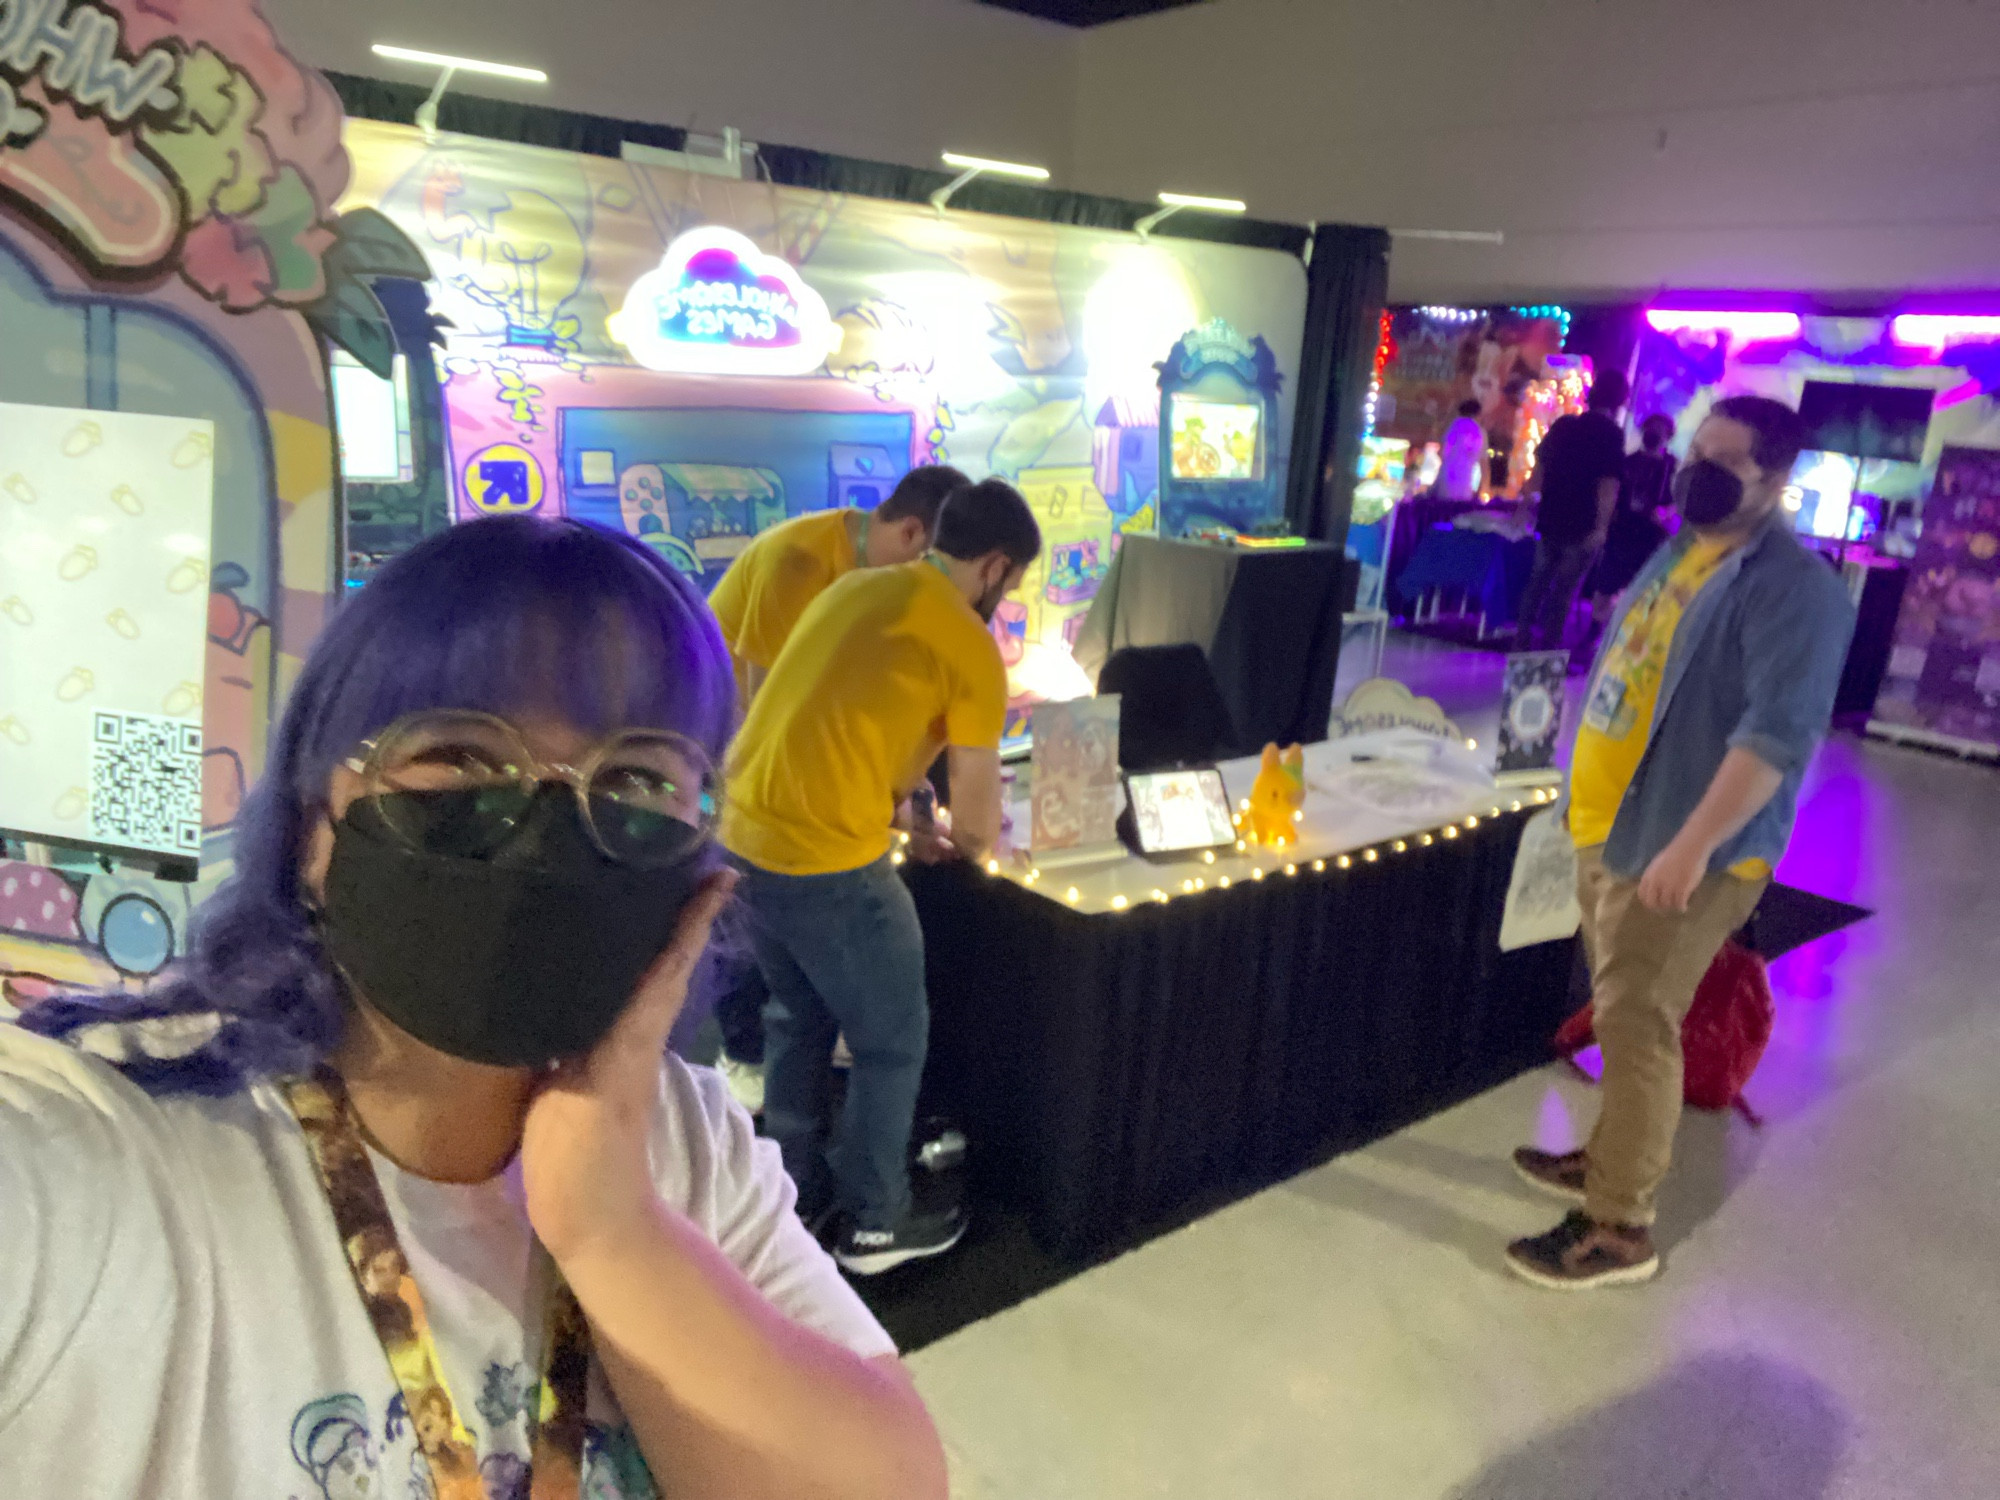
(1755, 662)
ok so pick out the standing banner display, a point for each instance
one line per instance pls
(1943, 682)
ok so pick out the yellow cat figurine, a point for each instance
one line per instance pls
(1277, 797)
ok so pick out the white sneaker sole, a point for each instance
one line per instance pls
(1646, 1270)
(876, 1263)
(1554, 1190)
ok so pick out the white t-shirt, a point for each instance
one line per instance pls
(178, 1319)
(1460, 472)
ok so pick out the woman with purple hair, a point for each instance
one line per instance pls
(417, 1051)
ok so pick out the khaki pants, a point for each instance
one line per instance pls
(1644, 968)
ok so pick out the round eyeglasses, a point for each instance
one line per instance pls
(460, 783)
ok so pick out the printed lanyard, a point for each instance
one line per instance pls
(396, 1308)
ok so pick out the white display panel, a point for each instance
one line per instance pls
(371, 416)
(104, 569)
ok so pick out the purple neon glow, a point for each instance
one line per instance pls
(1935, 330)
(1742, 325)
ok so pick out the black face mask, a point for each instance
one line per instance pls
(1707, 493)
(514, 960)
(989, 602)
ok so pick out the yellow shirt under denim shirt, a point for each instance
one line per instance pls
(1625, 691)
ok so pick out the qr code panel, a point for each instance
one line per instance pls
(145, 783)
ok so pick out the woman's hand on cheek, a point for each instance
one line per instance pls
(584, 1161)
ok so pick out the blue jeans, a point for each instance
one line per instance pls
(842, 954)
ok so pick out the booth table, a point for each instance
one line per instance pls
(1117, 1070)
(1488, 569)
(1267, 619)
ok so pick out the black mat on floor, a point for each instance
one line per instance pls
(1789, 918)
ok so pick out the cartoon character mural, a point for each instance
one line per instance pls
(1003, 346)
(169, 245)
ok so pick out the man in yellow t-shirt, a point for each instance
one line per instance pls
(1699, 720)
(885, 669)
(770, 584)
(757, 603)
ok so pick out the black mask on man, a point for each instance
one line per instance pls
(514, 960)
(989, 602)
(1707, 493)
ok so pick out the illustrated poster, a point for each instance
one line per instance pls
(1944, 669)
(104, 606)
(1531, 706)
(1541, 893)
(1074, 767)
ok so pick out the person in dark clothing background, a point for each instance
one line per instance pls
(1577, 473)
(1636, 526)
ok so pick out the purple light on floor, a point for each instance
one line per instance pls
(1743, 325)
(1934, 330)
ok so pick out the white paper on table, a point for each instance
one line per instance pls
(1541, 893)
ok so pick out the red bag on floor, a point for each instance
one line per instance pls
(1723, 1037)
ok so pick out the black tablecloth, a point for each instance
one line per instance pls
(1269, 622)
(1116, 1071)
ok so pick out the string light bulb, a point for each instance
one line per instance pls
(1119, 903)
(1319, 867)
(1400, 847)
(1161, 896)
(992, 867)
(1424, 840)
(1241, 846)
(1514, 807)
(1256, 872)
(1291, 869)
(1370, 855)
(1072, 895)
(1471, 822)
(1492, 812)
(1208, 856)
(896, 858)
(1450, 830)
(1344, 862)
(1200, 884)
(1222, 884)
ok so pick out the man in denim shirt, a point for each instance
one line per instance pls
(1713, 688)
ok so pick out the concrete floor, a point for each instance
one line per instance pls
(1828, 1324)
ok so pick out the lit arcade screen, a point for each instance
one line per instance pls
(1216, 439)
(1177, 810)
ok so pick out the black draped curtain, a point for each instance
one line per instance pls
(1346, 284)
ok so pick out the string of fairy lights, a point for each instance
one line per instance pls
(1281, 868)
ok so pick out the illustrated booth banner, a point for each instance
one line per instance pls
(169, 243)
(693, 359)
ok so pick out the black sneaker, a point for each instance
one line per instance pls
(870, 1252)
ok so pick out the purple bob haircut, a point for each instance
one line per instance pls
(509, 615)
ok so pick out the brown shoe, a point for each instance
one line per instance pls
(1580, 1253)
(1558, 1175)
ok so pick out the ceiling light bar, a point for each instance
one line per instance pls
(459, 64)
(450, 67)
(1212, 205)
(1744, 326)
(1456, 236)
(1173, 203)
(1935, 330)
(1018, 169)
(970, 167)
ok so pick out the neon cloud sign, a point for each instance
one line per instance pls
(1742, 326)
(717, 305)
